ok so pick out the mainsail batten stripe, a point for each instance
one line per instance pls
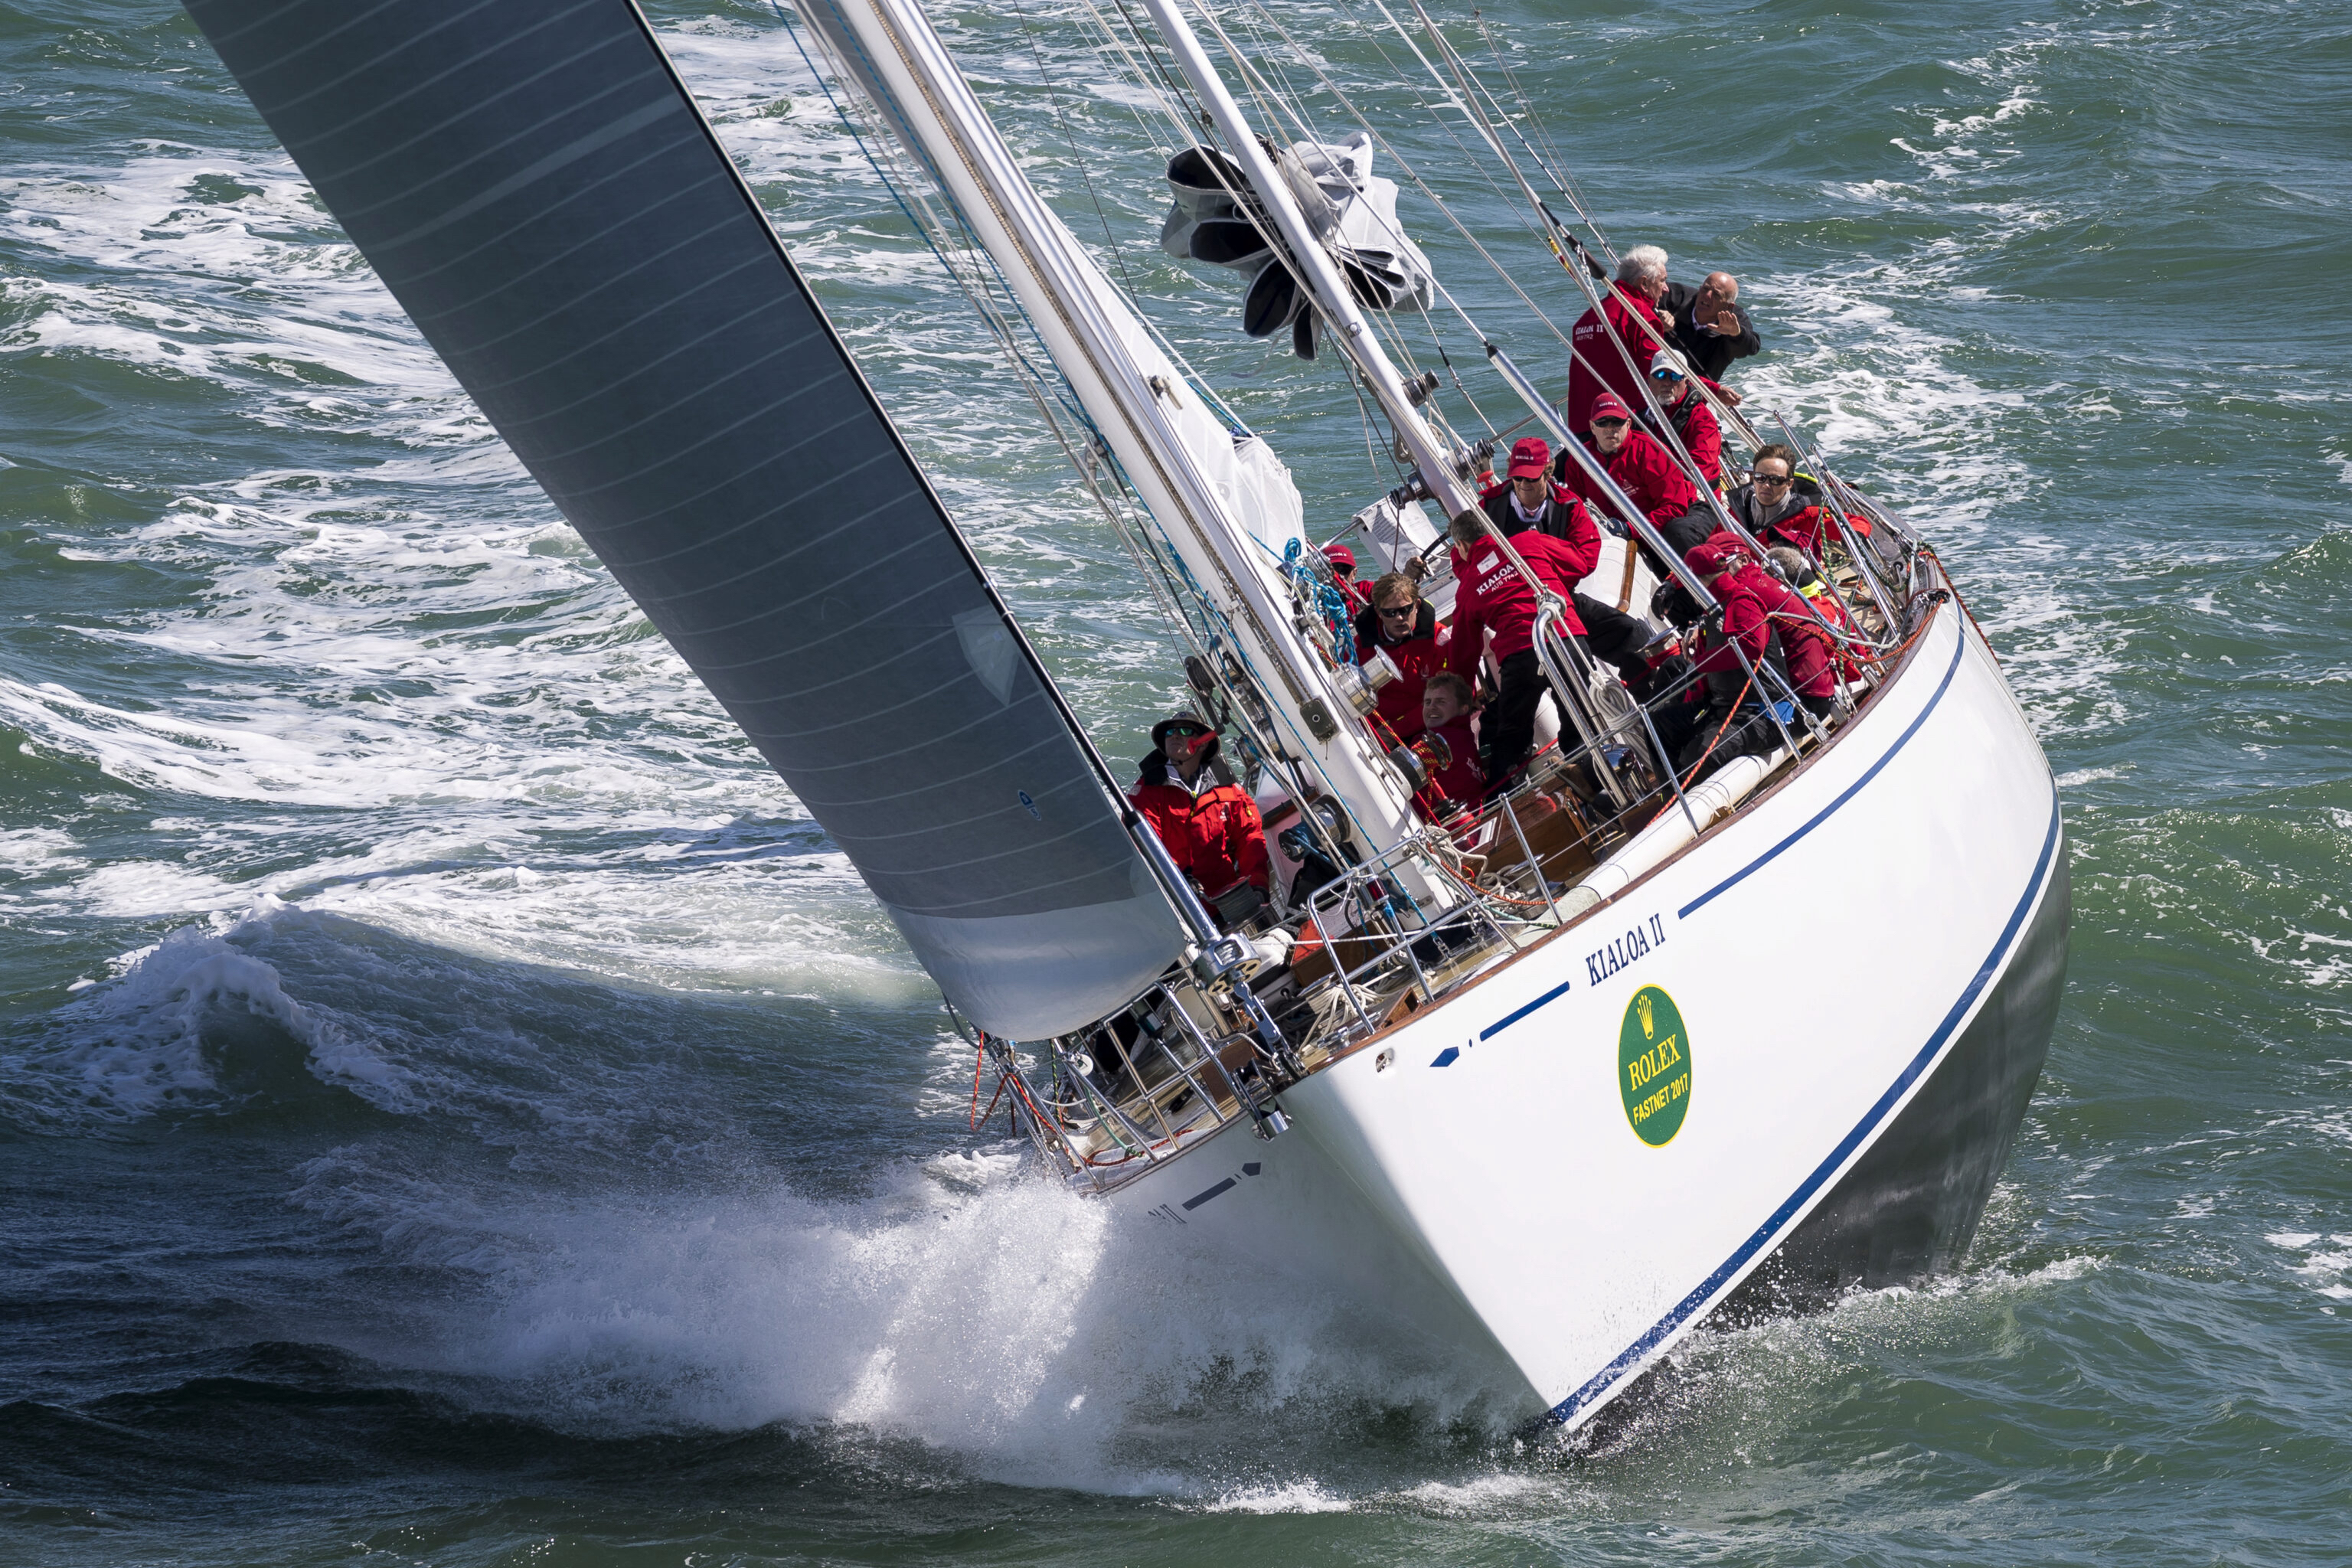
(540, 194)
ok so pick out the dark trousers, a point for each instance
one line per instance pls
(1508, 725)
(1683, 534)
(1691, 732)
(1614, 637)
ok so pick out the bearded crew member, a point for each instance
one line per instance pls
(1207, 821)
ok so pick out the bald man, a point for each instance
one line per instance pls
(1710, 327)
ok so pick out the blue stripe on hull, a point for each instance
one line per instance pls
(1608, 1377)
(1960, 646)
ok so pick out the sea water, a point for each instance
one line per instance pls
(456, 1108)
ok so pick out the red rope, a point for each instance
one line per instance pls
(978, 1058)
(1719, 732)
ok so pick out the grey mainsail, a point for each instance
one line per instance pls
(538, 190)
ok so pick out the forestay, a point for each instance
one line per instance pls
(540, 193)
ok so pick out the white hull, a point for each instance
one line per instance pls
(1866, 961)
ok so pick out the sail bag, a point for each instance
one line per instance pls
(540, 193)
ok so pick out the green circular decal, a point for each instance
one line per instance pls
(1653, 1070)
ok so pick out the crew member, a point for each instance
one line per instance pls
(1447, 747)
(1781, 506)
(1399, 624)
(1531, 500)
(1208, 822)
(1710, 326)
(1693, 421)
(1491, 595)
(1629, 316)
(1808, 646)
(1828, 604)
(1710, 728)
(1644, 471)
(1343, 573)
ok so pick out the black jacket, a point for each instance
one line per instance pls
(1710, 354)
(1741, 501)
(1367, 626)
(1505, 518)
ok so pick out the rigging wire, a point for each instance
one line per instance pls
(1443, 207)
(1070, 140)
(1213, 639)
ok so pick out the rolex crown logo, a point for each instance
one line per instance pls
(1649, 1020)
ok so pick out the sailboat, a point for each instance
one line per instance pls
(1555, 1081)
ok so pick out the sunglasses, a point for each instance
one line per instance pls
(1774, 482)
(1665, 375)
(1186, 731)
(1399, 612)
(1611, 424)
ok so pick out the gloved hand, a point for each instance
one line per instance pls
(1673, 604)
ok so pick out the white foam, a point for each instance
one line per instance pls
(1288, 1497)
(134, 1045)
(1039, 1337)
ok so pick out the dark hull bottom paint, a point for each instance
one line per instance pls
(1910, 1205)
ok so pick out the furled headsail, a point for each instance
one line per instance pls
(1218, 218)
(538, 190)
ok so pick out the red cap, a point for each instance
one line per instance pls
(1340, 555)
(1608, 406)
(1709, 559)
(1530, 459)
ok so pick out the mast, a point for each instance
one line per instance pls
(1333, 298)
(1185, 465)
(1441, 469)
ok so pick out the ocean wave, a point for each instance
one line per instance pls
(1029, 1334)
(162, 1035)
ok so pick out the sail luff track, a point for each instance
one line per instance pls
(537, 189)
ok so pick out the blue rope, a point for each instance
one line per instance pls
(1325, 596)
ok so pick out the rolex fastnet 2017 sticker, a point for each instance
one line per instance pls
(1653, 1065)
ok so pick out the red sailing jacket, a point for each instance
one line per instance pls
(1832, 610)
(1216, 836)
(1807, 528)
(1595, 347)
(1806, 644)
(1695, 422)
(1489, 595)
(1417, 659)
(1564, 518)
(1644, 472)
(1744, 620)
(1460, 779)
